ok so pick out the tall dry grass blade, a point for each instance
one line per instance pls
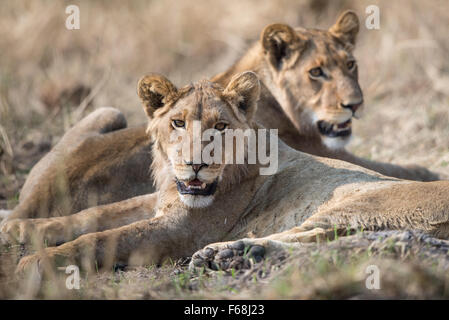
(7, 141)
(83, 105)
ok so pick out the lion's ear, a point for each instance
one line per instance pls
(281, 44)
(347, 27)
(243, 92)
(155, 91)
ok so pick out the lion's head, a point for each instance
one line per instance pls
(174, 114)
(313, 74)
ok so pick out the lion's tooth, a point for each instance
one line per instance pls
(203, 185)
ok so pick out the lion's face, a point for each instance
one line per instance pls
(178, 121)
(315, 77)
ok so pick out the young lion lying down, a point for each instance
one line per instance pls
(197, 204)
(309, 87)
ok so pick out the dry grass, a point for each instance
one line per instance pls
(411, 266)
(46, 73)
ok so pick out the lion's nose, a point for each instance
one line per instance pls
(353, 106)
(196, 167)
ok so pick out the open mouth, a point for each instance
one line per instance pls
(197, 187)
(335, 130)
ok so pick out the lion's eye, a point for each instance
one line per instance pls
(316, 72)
(221, 126)
(350, 64)
(178, 123)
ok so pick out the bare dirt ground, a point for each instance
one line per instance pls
(50, 77)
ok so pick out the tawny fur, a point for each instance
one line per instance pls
(308, 197)
(100, 161)
(292, 102)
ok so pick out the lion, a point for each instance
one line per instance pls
(98, 161)
(309, 92)
(198, 203)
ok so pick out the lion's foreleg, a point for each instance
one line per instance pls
(57, 230)
(145, 242)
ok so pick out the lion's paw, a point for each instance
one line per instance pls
(235, 255)
(14, 231)
(32, 231)
(44, 263)
(29, 265)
